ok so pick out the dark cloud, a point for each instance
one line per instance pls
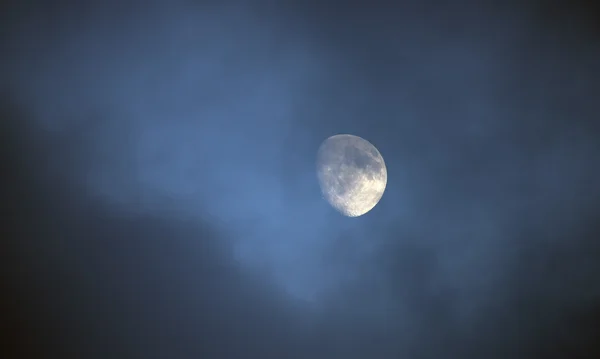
(94, 280)
(161, 198)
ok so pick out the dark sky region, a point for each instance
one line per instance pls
(159, 195)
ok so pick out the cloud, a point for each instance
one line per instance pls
(174, 151)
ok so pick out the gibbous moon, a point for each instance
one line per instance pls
(352, 174)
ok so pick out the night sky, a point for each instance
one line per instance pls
(159, 194)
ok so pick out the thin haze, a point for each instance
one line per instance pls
(205, 113)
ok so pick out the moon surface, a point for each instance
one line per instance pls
(352, 174)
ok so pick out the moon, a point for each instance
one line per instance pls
(351, 173)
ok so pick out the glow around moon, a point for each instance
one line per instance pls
(352, 174)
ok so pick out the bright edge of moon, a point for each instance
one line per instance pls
(351, 173)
